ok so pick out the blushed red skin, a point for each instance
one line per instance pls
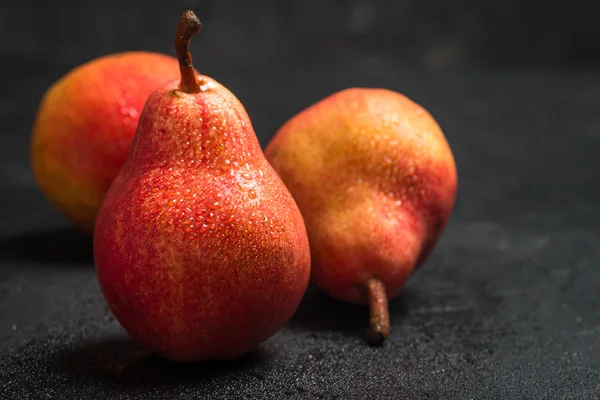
(85, 124)
(200, 250)
(375, 180)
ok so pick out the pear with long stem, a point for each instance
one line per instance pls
(200, 249)
(375, 180)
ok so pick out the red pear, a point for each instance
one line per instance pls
(84, 127)
(375, 180)
(200, 250)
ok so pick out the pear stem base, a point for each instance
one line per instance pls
(379, 314)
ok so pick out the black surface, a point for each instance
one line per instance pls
(508, 306)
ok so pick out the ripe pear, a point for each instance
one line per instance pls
(375, 180)
(201, 251)
(84, 126)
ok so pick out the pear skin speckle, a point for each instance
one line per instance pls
(84, 127)
(375, 180)
(192, 272)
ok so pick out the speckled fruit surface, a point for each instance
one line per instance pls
(376, 182)
(200, 250)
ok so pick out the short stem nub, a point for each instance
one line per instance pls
(188, 25)
(380, 317)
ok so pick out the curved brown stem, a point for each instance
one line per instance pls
(188, 25)
(378, 306)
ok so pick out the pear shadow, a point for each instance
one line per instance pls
(60, 246)
(319, 312)
(123, 361)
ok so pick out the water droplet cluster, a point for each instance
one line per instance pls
(196, 132)
(380, 149)
(199, 178)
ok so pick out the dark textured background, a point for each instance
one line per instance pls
(507, 307)
(434, 34)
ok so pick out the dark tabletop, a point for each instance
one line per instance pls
(508, 306)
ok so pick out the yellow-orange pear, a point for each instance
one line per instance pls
(84, 126)
(375, 180)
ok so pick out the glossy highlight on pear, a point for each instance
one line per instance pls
(200, 249)
(376, 181)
